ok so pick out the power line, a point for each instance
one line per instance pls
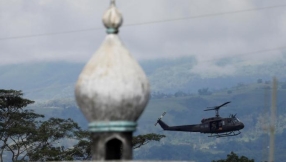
(250, 53)
(145, 23)
(207, 15)
(48, 34)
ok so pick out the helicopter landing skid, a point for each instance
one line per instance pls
(228, 134)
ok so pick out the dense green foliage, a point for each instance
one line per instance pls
(16, 124)
(141, 140)
(232, 157)
(24, 137)
(27, 138)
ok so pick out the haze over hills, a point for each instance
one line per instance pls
(250, 102)
(43, 81)
(175, 84)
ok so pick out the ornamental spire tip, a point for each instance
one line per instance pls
(112, 19)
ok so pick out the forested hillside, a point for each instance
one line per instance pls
(252, 106)
(183, 94)
(45, 81)
(250, 102)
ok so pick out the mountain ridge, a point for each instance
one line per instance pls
(50, 80)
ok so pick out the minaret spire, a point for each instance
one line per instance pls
(112, 19)
(112, 91)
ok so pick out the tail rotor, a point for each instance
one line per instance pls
(160, 118)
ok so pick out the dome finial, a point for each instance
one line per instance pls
(112, 2)
(112, 19)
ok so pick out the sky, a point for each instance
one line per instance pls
(208, 37)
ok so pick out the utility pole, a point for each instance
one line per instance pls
(272, 121)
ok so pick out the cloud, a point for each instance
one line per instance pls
(208, 39)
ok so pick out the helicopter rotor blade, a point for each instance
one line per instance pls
(216, 107)
(209, 109)
(223, 104)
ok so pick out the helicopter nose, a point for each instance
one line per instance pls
(241, 125)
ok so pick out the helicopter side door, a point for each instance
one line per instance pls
(216, 125)
(221, 125)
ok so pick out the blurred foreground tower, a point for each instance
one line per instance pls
(112, 92)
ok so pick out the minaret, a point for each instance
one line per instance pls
(112, 92)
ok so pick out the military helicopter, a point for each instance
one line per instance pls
(215, 126)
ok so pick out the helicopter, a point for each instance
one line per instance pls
(215, 126)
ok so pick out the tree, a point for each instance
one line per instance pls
(204, 91)
(81, 150)
(24, 135)
(232, 157)
(259, 81)
(16, 124)
(180, 94)
(27, 138)
(45, 144)
(141, 140)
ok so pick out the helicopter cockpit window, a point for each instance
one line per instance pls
(235, 120)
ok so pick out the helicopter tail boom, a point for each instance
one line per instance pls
(160, 118)
(163, 125)
(184, 128)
